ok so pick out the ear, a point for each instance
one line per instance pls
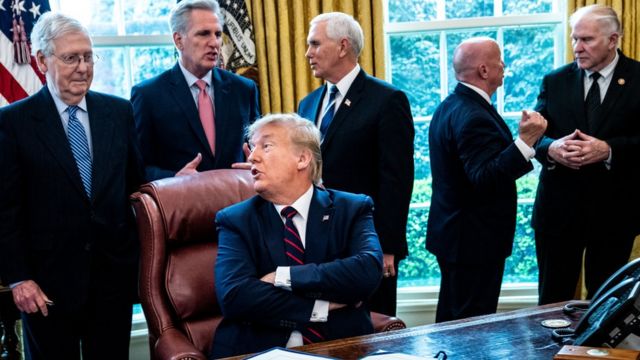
(483, 71)
(177, 40)
(304, 159)
(41, 60)
(613, 40)
(344, 47)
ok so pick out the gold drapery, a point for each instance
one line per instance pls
(281, 28)
(628, 11)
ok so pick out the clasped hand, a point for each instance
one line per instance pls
(578, 149)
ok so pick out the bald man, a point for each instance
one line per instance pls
(475, 163)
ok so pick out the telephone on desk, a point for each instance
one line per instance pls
(612, 318)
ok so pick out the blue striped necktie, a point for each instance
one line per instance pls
(80, 148)
(329, 111)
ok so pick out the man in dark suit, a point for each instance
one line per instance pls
(475, 163)
(587, 199)
(295, 262)
(365, 115)
(69, 161)
(180, 129)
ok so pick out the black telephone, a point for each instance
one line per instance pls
(613, 316)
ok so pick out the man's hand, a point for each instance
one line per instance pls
(388, 265)
(563, 153)
(191, 167)
(269, 278)
(29, 298)
(590, 149)
(335, 306)
(243, 165)
(531, 127)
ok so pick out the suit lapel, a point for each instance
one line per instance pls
(49, 129)
(220, 93)
(272, 232)
(102, 137)
(502, 126)
(182, 94)
(614, 92)
(349, 102)
(319, 223)
(577, 98)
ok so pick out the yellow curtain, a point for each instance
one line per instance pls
(629, 12)
(281, 28)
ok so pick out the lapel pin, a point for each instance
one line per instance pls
(621, 81)
(325, 217)
(348, 102)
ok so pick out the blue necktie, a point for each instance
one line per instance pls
(80, 148)
(328, 111)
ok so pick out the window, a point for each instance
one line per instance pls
(421, 36)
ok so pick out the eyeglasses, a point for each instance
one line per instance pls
(74, 59)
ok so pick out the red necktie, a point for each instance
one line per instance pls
(205, 110)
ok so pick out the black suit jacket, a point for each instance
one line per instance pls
(474, 165)
(169, 127)
(593, 195)
(368, 149)
(50, 230)
(343, 265)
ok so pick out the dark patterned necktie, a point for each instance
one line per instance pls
(329, 111)
(592, 102)
(294, 250)
(80, 148)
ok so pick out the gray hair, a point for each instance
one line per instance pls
(341, 25)
(181, 13)
(303, 134)
(605, 15)
(51, 26)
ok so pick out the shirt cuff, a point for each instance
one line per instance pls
(11, 286)
(607, 161)
(526, 151)
(320, 311)
(283, 277)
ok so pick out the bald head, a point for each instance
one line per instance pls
(477, 61)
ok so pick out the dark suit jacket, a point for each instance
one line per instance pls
(592, 195)
(169, 127)
(474, 165)
(50, 231)
(343, 264)
(368, 150)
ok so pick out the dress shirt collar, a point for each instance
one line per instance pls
(345, 83)
(60, 105)
(191, 79)
(301, 205)
(479, 91)
(607, 71)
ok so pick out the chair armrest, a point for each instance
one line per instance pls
(173, 345)
(382, 322)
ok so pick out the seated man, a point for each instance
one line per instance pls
(295, 262)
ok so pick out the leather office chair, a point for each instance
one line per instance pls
(175, 219)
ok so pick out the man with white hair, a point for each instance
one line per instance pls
(474, 164)
(358, 113)
(587, 199)
(68, 244)
(296, 261)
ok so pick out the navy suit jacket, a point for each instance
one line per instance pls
(569, 199)
(368, 149)
(343, 265)
(50, 230)
(169, 127)
(474, 165)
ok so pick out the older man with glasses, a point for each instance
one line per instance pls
(67, 246)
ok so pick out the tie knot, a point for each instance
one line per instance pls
(288, 212)
(333, 90)
(72, 111)
(201, 84)
(595, 76)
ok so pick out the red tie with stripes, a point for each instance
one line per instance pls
(294, 250)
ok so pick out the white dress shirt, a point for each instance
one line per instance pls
(343, 86)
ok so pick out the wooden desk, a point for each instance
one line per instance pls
(512, 335)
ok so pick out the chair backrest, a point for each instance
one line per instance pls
(178, 239)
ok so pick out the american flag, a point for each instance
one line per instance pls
(19, 74)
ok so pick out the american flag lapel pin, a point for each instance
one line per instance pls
(347, 102)
(325, 218)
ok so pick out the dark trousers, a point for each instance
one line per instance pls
(560, 261)
(468, 290)
(384, 299)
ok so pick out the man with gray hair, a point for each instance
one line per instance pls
(474, 164)
(68, 245)
(192, 117)
(296, 261)
(587, 199)
(357, 112)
